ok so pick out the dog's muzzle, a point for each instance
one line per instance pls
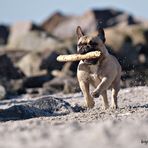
(85, 50)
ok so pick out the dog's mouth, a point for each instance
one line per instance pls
(91, 61)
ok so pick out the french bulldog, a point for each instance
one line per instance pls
(102, 73)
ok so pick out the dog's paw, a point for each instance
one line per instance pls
(114, 107)
(95, 94)
(91, 104)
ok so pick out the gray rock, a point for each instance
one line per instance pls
(18, 30)
(33, 41)
(30, 64)
(44, 106)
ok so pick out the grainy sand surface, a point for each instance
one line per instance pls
(94, 128)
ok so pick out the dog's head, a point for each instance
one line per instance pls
(88, 43)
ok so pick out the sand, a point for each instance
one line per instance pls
(93, 128)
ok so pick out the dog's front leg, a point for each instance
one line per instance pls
(103, 86)
(85, 90)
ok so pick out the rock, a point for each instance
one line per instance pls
(61, 84)
(50, 63)
(15, 55)
(35, 81)
(7, 68)
(88, 21)
(44, 106)
(124, 39)
(2, 92)
(10, 78)
(119, 35)
(53, 21)
(4, 33)
(64, 73)
(29, 36)
(143, 54)
(18, 30)
(13, 87)
(30, 64)
(123, 18)
(33, 41)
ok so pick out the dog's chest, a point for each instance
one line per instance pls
(94, 71)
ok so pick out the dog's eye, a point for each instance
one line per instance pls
(81, 44)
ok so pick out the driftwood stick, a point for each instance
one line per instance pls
(78, 57)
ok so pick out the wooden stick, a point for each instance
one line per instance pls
(78, 57)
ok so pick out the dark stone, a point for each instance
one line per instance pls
(35, 81)
(4, 33)
(7, 68)
(44, 106)
(50, 63)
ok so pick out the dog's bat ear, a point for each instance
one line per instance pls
(101, 34)
(79, 32)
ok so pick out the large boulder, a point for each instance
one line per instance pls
(33, 41)
(19, 29)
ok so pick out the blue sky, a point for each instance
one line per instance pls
(38, 10)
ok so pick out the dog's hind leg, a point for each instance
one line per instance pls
(115, 90)
(105, 100)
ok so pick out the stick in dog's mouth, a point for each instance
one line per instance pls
(77, 57)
